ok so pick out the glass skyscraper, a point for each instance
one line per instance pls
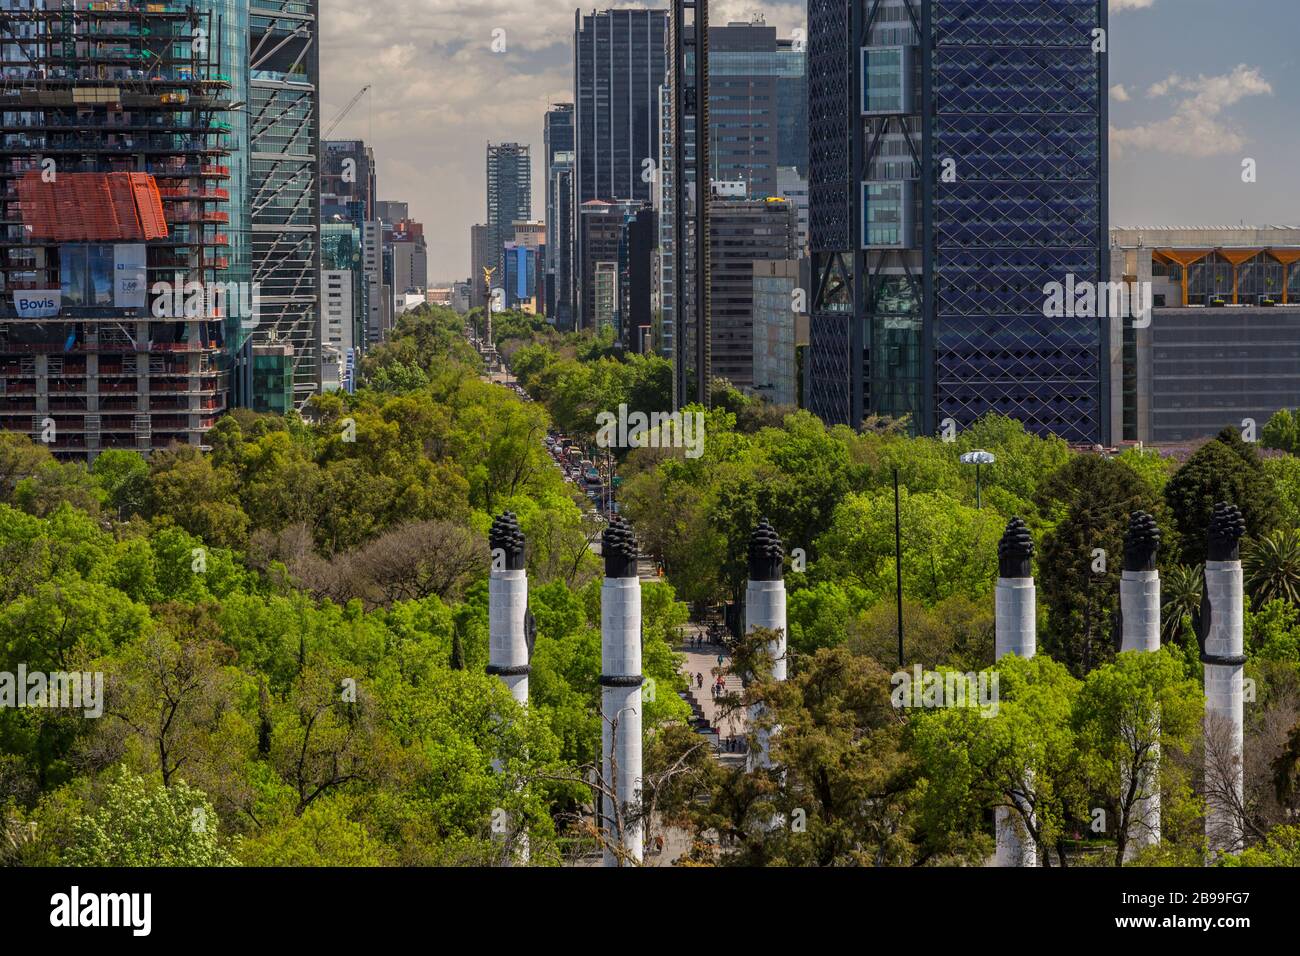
(957, 167)
(557, 139)
(618, 66)
(509, 200)
(283, 85)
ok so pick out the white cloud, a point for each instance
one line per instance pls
(439, 94)
(1119, 94)
(1196, 127)
(1116, 5)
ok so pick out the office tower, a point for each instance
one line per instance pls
(349, 180)
(557, 140)
(601, 229)
(665, 253)
(509, 197)
(480, 259)
(605, 295)
(792, 186)
(1169, 383)
(758, 128)
(392, 210)
(343, 301)
(618, 67)
(686, 158)
(758, 114)
(410, 253)
(530, 233)
(741, 232)
(379, 291)
(779, 330)
(957, 166)
(91, 357)
(560, 283)
(636, 262)
(523, 279)
(283, 60)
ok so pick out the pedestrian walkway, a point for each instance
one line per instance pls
(708, 711)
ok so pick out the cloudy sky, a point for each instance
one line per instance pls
(1197, 87)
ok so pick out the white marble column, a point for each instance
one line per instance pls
(1015, 632)
(1223, 654)
(620, 699)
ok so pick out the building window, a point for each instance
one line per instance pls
(886, 80)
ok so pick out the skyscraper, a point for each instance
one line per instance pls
(348, 177)
(742, 232)
(92, 355)
(957, 166)
(619, 57)
(758, 117)
(557, 140)
(509, 199)
(757, 125)
(284, 79)
(560, 284)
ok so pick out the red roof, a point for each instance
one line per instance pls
(92, 207)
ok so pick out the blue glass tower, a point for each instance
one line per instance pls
(957, 162)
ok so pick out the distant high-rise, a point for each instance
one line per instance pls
(284, 79)
(557, 139)
(757, 105)
(480, 252)
(957, 167)
(509, 198)
(741, 232)
(619, 58)
(348, 179)
(560, 284)
(757, 108)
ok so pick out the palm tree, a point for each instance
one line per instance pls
(1180, 593)
(1272, 568)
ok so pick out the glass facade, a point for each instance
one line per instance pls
(1019, 104)
(619, 61)
(285, 186)
(1212, 368)
(1214, 278)
(942, 265)
(887, 214)
(886, 80)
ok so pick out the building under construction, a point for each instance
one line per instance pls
(115, 177)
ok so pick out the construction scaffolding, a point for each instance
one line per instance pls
(114, 172)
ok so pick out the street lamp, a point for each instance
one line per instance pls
(978, 458)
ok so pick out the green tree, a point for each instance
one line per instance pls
(1282, 431)
(1225, 469)
(1132, 718)
(1090, 499)
(139, 825)
(1272, 568)
(1023, 759)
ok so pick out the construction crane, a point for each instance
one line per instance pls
(345, 111)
